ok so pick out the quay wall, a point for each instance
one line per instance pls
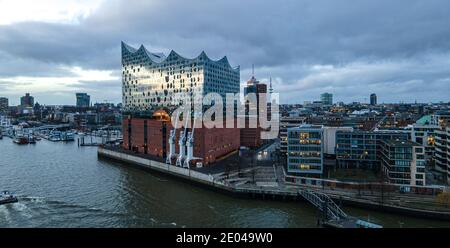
(208, 181)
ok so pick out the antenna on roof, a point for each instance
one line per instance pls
(253, 70)
(270, 86)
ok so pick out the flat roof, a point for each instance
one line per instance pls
(401, 143)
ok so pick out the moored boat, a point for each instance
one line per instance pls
(20, 140)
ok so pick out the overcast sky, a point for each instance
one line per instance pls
(397, 49)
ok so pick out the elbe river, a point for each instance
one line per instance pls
(63, 185)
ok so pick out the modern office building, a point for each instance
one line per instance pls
(152, 80)
(441, 118)
(251, 136)
(425, 136)
(329, 139)
(305, 151)
(83, 100)
(361, 149)
(285, 124)
(403, 162)
(326, 98)
(442, 152)
(27, 101)
(4, 105)
(373, 99)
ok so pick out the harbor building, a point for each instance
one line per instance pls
(305, 151)
(326, 98)
(329, 139)
(83, 100)
(425, 136)
(361, 149)
(285, 124)
(373, 99)
(251, 136)
(152, 80)
(151, 136)
(150, 86)
(403, 162)
(442, 152)
(4, 105)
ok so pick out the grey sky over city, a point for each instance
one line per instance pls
(399, 50)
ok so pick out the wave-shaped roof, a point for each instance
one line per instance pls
(161, 58)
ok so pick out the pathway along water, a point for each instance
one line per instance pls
(62, 185)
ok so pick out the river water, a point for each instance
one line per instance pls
(62, 185)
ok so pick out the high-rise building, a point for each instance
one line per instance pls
(27, 100)
(373, 99)
(4, 105)
(305, 151)
(251, 136)
(152, 80)
(403, 162)
(83, 100)
(326, 98)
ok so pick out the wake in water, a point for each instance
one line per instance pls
(4, 215)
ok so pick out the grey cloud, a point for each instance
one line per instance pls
(284, 39)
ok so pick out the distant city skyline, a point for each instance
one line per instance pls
(399, 50)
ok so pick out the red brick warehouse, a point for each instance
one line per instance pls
(151, 136)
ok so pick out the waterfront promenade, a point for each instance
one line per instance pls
(268, 182)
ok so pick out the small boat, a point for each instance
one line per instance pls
(20, 140)
(6, 197)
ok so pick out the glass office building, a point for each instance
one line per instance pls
(403, 162)
(83, 100)
(305, 150)
(361, 149)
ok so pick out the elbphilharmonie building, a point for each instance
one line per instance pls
(152, 80)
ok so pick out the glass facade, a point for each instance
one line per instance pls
(326, 98)
(362, 149)
(305, 150)
(403, 162)
(83, 100)
(153, 80)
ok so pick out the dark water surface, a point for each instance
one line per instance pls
(61, 185)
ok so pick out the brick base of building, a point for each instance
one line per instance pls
(151, 136)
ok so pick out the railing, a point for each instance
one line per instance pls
(322, 201)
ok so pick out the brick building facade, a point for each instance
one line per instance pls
(151, 136)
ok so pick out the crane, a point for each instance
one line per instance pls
(172, 141)
(182, 145)
(190, 144)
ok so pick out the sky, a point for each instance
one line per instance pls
(399, 50)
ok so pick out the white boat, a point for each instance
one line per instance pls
(6, 197)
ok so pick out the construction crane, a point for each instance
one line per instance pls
(172, 138)
(190, 144)
(182, 145)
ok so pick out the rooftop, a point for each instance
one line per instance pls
(401, 143)
(159, 58)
